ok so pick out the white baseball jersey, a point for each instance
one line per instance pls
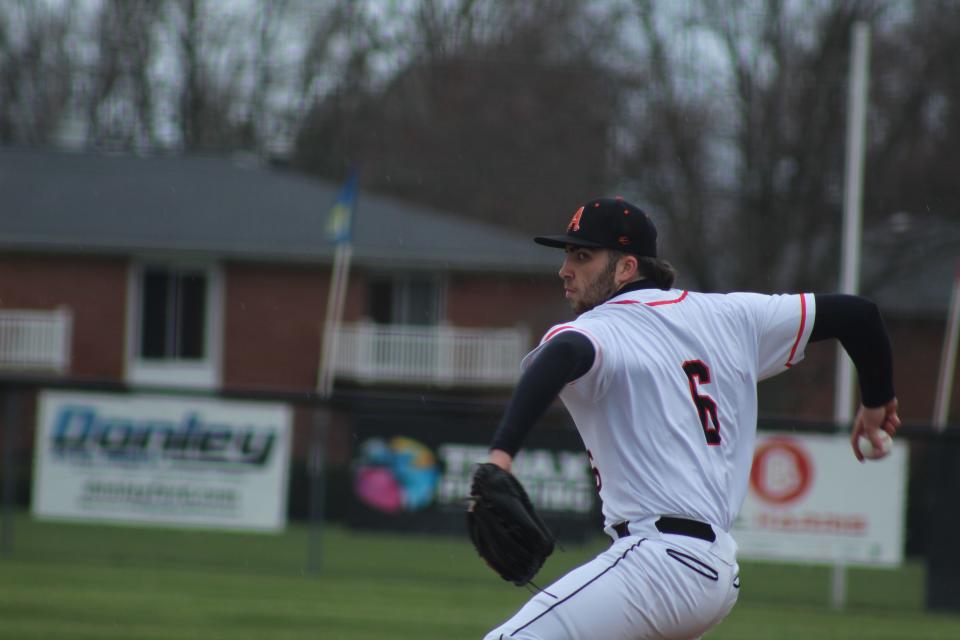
(668, 410)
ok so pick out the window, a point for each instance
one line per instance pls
(406, 299)
(173, 313)
(174, 328)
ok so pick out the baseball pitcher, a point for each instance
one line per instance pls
(662, 386)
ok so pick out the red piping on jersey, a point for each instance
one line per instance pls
(556, 331)
(653, 304)
(803, 322)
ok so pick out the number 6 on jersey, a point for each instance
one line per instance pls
(698, 373)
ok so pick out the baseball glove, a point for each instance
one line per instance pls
(504, 527)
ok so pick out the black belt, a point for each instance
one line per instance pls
(678, 526)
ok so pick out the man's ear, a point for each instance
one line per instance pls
(627, 269)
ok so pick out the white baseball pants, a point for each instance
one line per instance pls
(648, 586)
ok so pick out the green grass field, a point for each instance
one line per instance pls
(86, 582)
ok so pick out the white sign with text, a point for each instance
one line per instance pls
(162, 460)
(811, 501)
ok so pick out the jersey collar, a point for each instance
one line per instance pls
(636, 285)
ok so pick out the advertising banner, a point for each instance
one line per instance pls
(811, 501)
(417, 478)
(162, 460)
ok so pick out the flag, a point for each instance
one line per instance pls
(340, 217)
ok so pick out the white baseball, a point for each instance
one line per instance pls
(871, 453)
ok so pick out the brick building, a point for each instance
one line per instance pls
(209, 276)
(213, 273)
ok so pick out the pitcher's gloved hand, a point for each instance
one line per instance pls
(504, 527)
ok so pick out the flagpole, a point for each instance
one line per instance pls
(948, 358)
(340, 231)
(850, 263)
(852, 207)
(336, 298)
(324, 381)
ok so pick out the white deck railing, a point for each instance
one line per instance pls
(35, 340)
(441, 355)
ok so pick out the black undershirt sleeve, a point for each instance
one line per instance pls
(857, 324)
(566, 357)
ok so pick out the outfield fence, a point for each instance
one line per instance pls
(336, 450)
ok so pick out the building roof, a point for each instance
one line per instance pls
(910, 264)
(87, 202)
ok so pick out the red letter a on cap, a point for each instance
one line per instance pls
(575, 221)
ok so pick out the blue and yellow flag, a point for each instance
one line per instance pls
(340, 217)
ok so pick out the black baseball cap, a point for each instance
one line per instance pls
(608, 223)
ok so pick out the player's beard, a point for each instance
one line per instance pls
(597, 291)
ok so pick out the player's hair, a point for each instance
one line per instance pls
(658, 271)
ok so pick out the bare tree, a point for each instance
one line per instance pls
(196, 109)
(242, 72)
(120, 107)
(268, 23)
(314, 68)
(757, 180)
(912, 201)
(212, 71)
(336, 68)
(35, 71)
(666, 154)
(915, 124)
(502, 115)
